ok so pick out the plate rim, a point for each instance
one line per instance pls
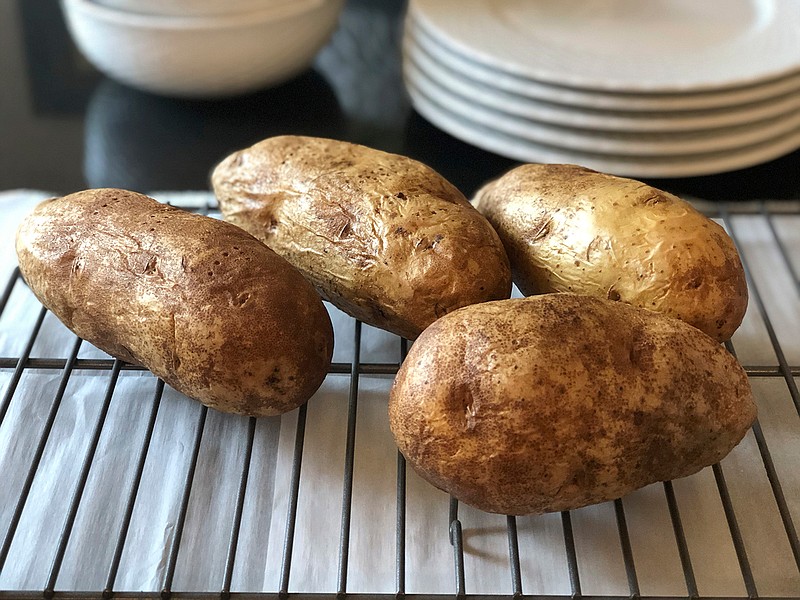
(583, 82)
(575, 139)
(592, 117)
(523, 151)
(602, 99)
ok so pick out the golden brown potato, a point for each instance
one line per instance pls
(199, 302)
(557, 401)
(383, 237)
(570, 229)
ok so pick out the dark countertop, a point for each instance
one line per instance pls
(65, 127)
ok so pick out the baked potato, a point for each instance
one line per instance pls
(570, 229)
(197, 301)
(557, 401)
(381, 236)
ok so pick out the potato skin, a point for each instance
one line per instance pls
(199, 302)
(558, 401)
(570, 229)
(381, 236)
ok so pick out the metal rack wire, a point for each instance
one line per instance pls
(110, 370)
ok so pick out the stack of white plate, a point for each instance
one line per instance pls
(663, 88)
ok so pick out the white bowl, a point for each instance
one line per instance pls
(190, 8)
(202, 57)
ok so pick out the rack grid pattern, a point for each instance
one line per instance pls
(110, 370)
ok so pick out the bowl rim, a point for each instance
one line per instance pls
(276, 13)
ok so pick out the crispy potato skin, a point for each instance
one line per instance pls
(570, 229)
(199, 302)
(381, 236)
(558, 401)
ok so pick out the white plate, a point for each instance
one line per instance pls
(656, 46)
(689, 165)
(751, 97)
(637, 144)
(576, 116)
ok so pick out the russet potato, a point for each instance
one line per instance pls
(197, 301)
(570, 229)
(381, 236)
(557, 401)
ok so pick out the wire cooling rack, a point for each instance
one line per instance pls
(319, 503)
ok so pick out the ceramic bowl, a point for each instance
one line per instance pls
(189, 8)
(202, 57)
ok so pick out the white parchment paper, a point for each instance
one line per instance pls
(371, 565)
